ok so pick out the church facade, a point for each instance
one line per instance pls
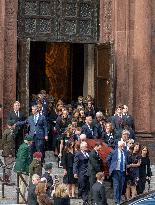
(107, 44)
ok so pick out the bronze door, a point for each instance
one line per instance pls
(104, 79)
(59, 20)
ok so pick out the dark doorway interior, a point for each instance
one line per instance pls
(37, 64)
(77, 70)
(57, 68)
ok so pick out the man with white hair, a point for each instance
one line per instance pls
(32, 197)
(117, 168)
(99, 125)
(82, 137)
(80, 170)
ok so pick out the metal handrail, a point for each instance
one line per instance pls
(19, 193)
(4, 180)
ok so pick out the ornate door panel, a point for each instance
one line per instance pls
(59, 20)
(104, 78)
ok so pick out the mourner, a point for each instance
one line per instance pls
(81, 140)
(22, 163)
(80, 170)
(37, 129)
(8, 147)
(32, 197)
(17, 116)
(117, 168)
(98, 190)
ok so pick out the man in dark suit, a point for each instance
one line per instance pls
(129, 122)
(94, 164)
(32, 197)
(118, 121)
(98, 190)
(38, 129)
(17, 116)
(128, 118)
(87, 129)
(117, 168)
(98, 125)
(80, 171)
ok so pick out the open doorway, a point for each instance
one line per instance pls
(57, 68)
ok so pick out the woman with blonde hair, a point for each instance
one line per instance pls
(108, 136)
(61, 195)
(42, 197)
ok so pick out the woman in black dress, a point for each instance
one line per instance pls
(133, 164)
(68, 160)
(144, 170)
(65, 137)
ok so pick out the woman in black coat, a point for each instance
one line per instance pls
(144, 170)
(108, 136)
(68, 160)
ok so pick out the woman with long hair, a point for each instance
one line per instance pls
(61, 195)
(133, 164)
(65, 137)
(144, 170)
(42, 197)
(68, 160)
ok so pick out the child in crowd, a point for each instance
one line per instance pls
(8, 146)
(36, 165)
(48, 176)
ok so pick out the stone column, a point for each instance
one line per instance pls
(10, 55)
(142, 65)
(88, 87)
(2, 33)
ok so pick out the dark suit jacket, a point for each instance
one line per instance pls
(32, 197)
(110, 140)
(85, 130)
(40, 127)
(80, 165)
(12, 116)
(98, 130)
(118, 124)
(60, 201)
(99, 195)
(129, 121)
(94, 164)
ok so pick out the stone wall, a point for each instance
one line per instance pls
(2, 33)
(131, 28)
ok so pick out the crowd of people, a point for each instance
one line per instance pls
(76, 134)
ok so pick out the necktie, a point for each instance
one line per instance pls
(85, 154)
(121, 163)
(35, 119)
